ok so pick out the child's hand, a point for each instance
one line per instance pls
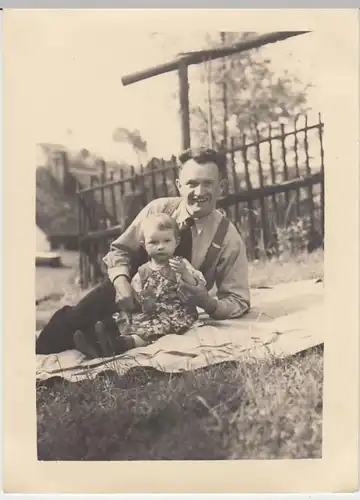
(179, 266)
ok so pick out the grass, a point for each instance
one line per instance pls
(248, 410)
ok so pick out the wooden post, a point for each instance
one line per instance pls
(273, 176)
(184, 105)
(250, 207)
(263, 211)
(152, 178)
(308, 173)
(209, 105)
(236, 185)
(164, 179)
(103, 174)
(114, 212)
(285, 166)
(80, 235)
(225, 93)
(296, 144)
(142, 183)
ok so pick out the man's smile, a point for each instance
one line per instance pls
(200, 199)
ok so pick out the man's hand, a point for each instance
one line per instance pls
(198, 295)
(124, 294)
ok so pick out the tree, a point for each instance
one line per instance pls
(244, 90)
(132, 137)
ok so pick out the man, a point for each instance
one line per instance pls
(223, 263)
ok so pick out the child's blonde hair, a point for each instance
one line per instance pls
(159, 222)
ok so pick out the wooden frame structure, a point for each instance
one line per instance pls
(184, 60)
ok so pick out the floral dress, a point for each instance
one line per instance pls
(163, 312)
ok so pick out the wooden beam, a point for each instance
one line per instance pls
(283, 187)
(110, 232)
(199, 56)
(184, 105)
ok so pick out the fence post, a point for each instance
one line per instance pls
(143, 184)
(114, 213)
(102, 192)
(273, 174)
(153, 178)
(174, 171)
(80, 235)
(263, 214)
(253, 245)
(133, 179)
(84, 217)
(164, 180)
(285, 167)
(296, 143)
(224, 175)
(308, 172)
(235, 179)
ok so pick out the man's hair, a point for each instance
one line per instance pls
(204, 155)
(160, 222)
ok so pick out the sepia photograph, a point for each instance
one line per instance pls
(179, 245)
(187, 299)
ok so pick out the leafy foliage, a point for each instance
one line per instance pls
(245, 90)
(294, 238)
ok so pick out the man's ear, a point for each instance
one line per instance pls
(178, 184)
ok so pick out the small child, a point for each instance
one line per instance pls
(156, 287)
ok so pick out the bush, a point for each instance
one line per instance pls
(295, 237)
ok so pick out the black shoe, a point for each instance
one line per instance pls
(105, 339)
(111, 344)
(57, 335)
(84, 346)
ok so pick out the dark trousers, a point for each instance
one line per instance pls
(97, 305)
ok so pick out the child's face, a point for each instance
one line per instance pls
(160, 244)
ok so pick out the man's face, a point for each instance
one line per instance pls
(199, 186)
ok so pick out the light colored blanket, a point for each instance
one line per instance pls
(283, 321)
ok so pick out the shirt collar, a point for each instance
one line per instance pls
(199, 223)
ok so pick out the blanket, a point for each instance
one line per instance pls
(284, 320)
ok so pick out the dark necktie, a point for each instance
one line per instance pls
(184, 248)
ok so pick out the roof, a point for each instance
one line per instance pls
(56, 214)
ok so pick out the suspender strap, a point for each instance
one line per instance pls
(215, 247)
